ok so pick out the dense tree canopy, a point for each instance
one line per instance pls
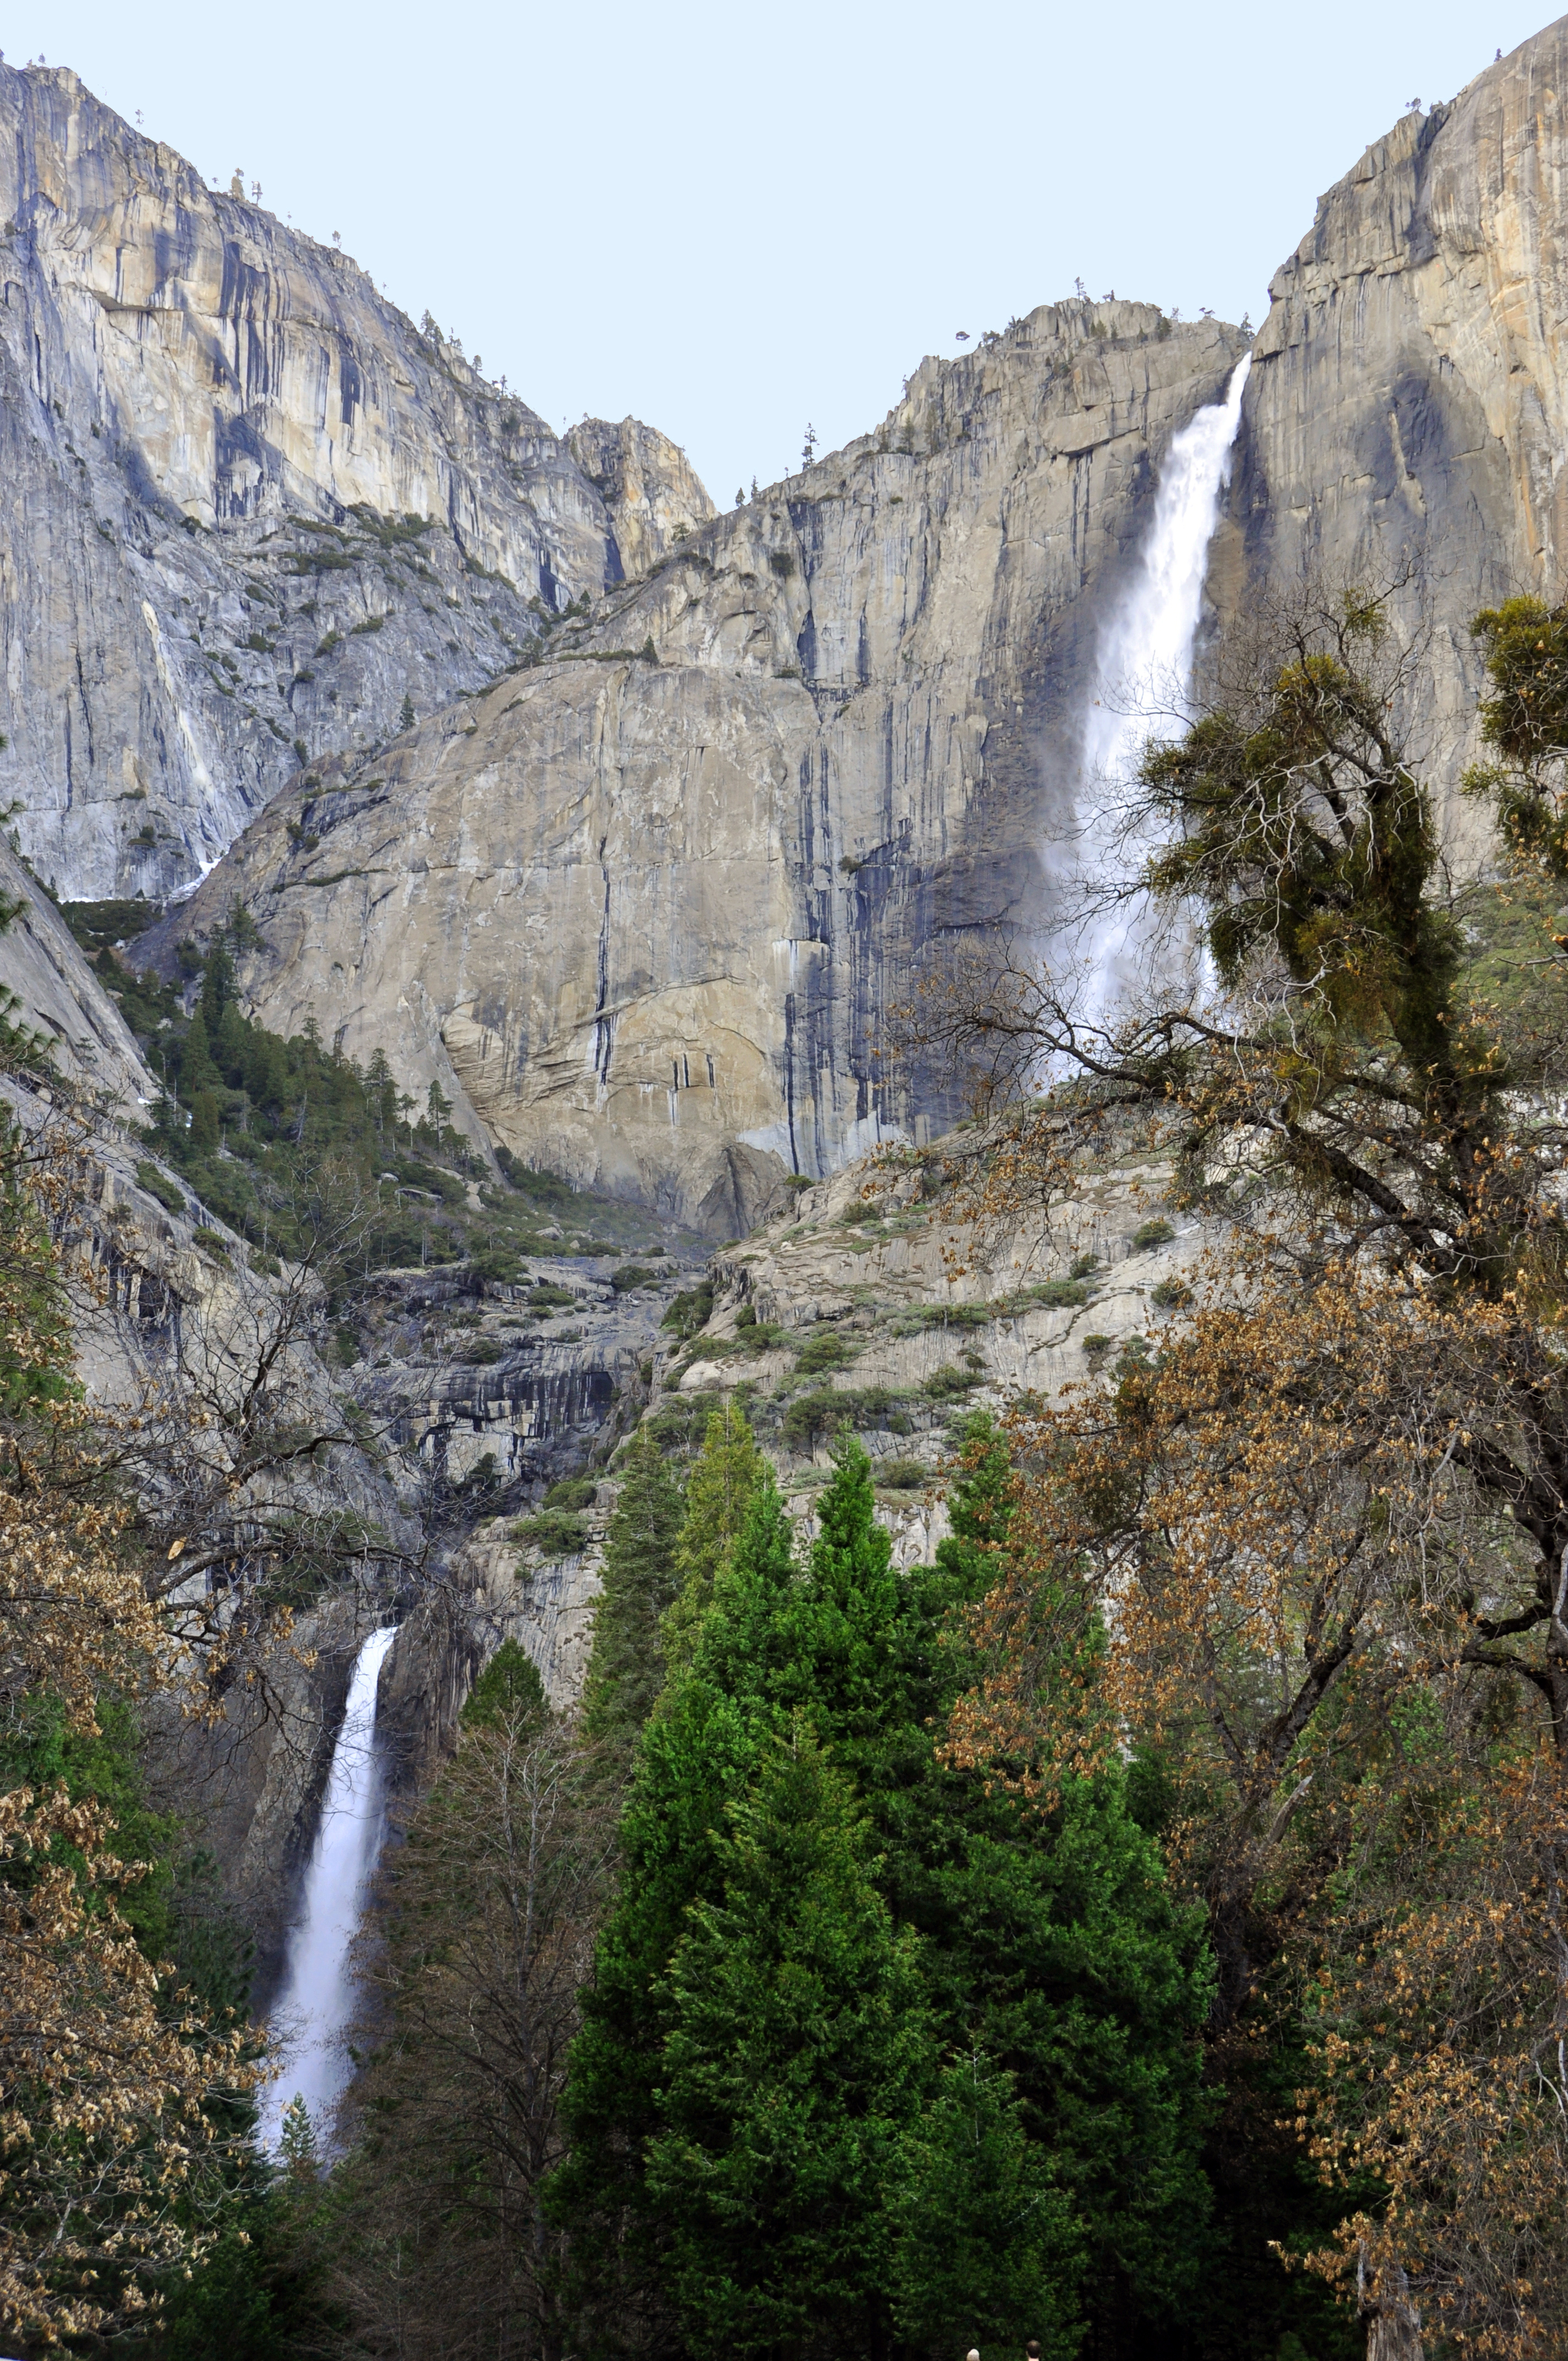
(1042, 1963)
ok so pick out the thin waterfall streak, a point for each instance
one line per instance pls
(316, 2003)
(1145, 665)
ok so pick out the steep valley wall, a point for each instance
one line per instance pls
(250, 509)
(1406, 421)
(643, 898)
(644, 908)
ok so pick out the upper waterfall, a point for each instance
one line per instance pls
(1144, 670)
(315, 2006)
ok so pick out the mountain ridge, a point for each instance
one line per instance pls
(256, 514)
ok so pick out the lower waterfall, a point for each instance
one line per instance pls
(312, 2010)
(1144, 677)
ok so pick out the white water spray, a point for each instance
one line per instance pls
(317, 2000)
(1145, 667)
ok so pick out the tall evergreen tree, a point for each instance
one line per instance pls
(987, 2240)
(382, 1093)
(720, 1488)
(1054, 1940)
(1048, 1936)
(626, 1667)
(197, 1070)
(792, 2075)
(218, 987)
(695, 1756)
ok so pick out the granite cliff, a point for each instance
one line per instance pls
(459, 1398)
(1407, 415)
(642, 899)
(250, 509)
(642, 908)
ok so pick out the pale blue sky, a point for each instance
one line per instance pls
(731, 220)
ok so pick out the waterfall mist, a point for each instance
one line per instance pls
(314, 2008)
(1145, 679)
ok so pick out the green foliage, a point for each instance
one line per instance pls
(983, 2235)
(289, 1141)
(626, 1667)
(923, 1316)
(789, 1781)
(35, 1342)
(979, 1509)
(1294, 823)
(20, 1044)
(206, 1125)
(1056, 1294)
(99, 926)
(826, 1350)
(719, 1490)
(508, 1694)
(553, 1534)
(690, 1310)
(793, 2068)
(174, 1909)
(258, 2294)
(816, 1417)
(495, 1266)
(629, 1275)
(1525, 721)
(900, 1475)
(159, 1185)
(1153, 1233)
(573, 1493)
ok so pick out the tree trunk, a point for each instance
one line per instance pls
(1393, 2323)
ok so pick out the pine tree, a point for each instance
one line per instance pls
(382, 1093)
(297, 2142)
(509, 1694)
(1050, 1938)
(626, 1668)
(406, 717)
(1054, 1941)
(218, 987)
(979, 1509)
(695, 1756)
(792, 2075)
(984, 2235)
(197, 1071)
(719, 1489)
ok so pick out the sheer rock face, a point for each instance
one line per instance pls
(59, 998)
(1408, 408)
(645, 920)
(250, 509)
(649, 487)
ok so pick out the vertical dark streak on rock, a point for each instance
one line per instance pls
(604, 1031)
